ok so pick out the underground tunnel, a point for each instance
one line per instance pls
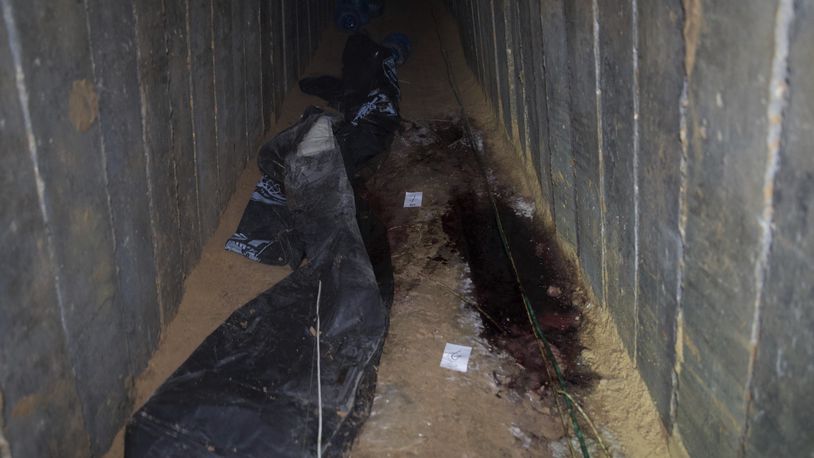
(406, 228)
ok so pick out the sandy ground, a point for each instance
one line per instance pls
(421, 409)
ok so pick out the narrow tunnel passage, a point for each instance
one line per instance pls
(449, 263)
(648, 163)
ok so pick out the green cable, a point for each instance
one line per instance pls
(538, 332)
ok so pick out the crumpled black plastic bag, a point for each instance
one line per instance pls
(367, 94)
(266, 232)
(250, 389)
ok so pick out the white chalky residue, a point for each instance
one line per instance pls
(520, 435)
(522, 207)
(420, 136)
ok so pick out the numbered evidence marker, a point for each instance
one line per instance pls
(413, 199)
(456, 357)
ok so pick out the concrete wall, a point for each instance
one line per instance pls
(673, 144)
(123, 128)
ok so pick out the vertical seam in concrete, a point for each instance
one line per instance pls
(678, 325)
(690, 39)
(515, 89)
(550, 177)
(477, 34)
(271, 53)
(634, 23)
(192, 122)
(5, 448)
(474, 38)
(310, 38)
(778, 99)
(245, 96)
(173, 150)
(571, 69)
(23, 98)
(678, 320)
(513, 131)
(218, 189)
(600, 150)
(147, 163)
(524, 84)
(297, 52)
(106, 178)
(499, 99)
(260, 69)
(285, 45)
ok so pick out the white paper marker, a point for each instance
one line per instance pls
(413, 199)
(456, 357)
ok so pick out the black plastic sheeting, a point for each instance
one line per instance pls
(266, 232)
(250, 389)
(367, 95)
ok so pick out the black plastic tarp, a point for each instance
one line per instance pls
(250, 389)
(367, 95)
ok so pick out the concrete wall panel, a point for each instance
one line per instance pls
(661, 79)
(617, 85)
(227, 108)
(559, 119)
(202, 90)
(182, 145)
(55, 61)
(727, 129)
(253, 70)
(579, 30)
(113, 39)
(239, 123)
(32, 338)
(535, 99)
(278, 53)
(153, 67)
(517, 105)
(677, 135)
(138, 132)
(266, 64)
(781, 395)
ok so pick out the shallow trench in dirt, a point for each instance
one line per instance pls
(451, 267)
(471, 226)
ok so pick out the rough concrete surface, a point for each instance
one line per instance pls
(679, 123)
(117, 167)
(666, 144)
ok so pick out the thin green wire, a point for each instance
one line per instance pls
(538, 332)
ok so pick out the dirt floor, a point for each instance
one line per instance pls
(453, 284)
